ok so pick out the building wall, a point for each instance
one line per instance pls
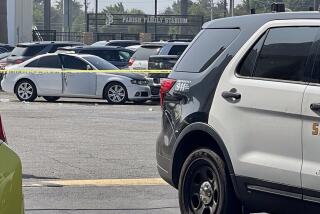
(19, 21)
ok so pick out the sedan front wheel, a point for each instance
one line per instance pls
(26, 91)
(115, 93)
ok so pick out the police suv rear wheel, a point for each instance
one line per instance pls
(204, 186)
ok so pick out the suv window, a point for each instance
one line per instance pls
(46, 62)
(109, 55)
(27, 51)
(71, 62)
(177, 49)
(285, 52)
(143, 53)
(248, 63)
(206, 49)
(125, 56)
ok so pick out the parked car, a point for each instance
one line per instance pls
(5, 48)
(117, 56)
(133, 48)
(139, 59)
(240, 123)
(4, 56)
(120, 43)
(116, 88)
(25, 51)
(167, 57)
(11, 195)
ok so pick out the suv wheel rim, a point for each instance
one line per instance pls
(204, 192)
(116, 93)
(25, 91)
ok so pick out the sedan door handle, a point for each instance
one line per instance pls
(232, 95)
(315, 106)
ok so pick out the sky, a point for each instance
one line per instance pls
(145, 5)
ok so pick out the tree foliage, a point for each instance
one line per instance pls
(120, 9)
(77, 17)
(195, 7)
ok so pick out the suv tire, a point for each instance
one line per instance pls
(51, 99)
(204, 186)
(26, 90)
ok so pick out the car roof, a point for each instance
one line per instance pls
(258, 19)
(57, 54)
(153, 44)
(177, 43)
(29, 44)
(124, 41)
(89, 47)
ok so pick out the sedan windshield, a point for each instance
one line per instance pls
(100, 63)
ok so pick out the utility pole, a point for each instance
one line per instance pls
(184, 12)
(86, 12)
(225, 8)
(66, 15)
(316, 5)
(232, 7)
(96, 16)
(155, 16)
(3, 22)
(47, 14)
(211, 9)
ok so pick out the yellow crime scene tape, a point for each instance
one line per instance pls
(85, 71)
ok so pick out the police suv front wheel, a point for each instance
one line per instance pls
(204, 186)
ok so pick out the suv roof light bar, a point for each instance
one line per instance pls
(278, 7)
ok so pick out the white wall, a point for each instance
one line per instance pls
(19, 21)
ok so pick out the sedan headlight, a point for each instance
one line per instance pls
(140, 82)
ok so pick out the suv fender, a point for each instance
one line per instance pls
(216, 143)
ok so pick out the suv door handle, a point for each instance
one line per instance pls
(315, 106)
(232, 95)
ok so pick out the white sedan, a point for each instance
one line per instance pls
(116, 88)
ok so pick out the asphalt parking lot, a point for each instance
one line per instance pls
(86, 156)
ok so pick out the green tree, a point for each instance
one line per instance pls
(77, 19)
(114, 9)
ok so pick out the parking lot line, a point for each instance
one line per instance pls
(98, 182)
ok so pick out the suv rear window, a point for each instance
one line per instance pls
(143, 53)
(206, 49)
(177, 49)
(27, 50)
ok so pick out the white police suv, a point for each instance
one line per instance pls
(241, 114)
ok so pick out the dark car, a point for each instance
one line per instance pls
(25, 51)
(117, 56)
(167, 57)
(4, 48)
(121, 43)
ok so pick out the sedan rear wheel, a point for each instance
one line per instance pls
(26, 91)
(115, 93)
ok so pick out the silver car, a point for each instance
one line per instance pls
(48, 80)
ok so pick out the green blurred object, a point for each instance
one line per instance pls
(11, 196)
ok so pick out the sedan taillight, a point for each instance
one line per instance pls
(2, 133)
(166, 86)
